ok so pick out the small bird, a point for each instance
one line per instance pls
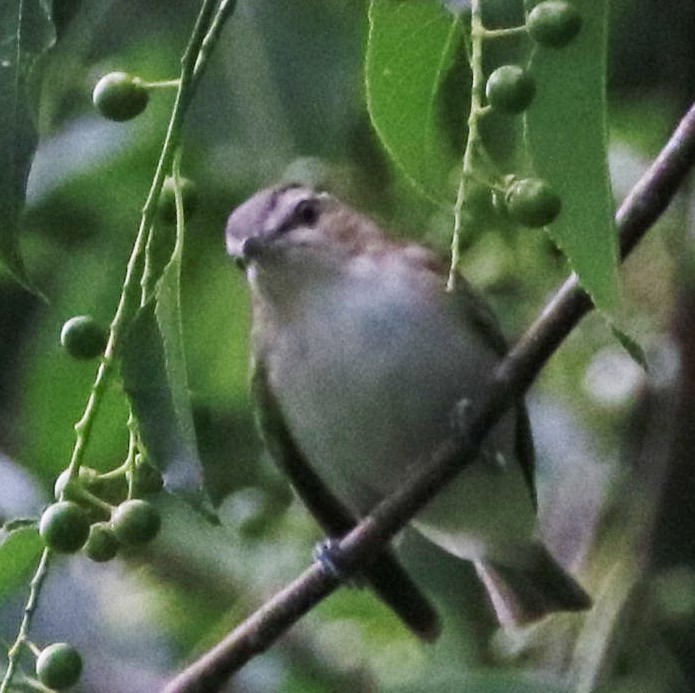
(361, 358)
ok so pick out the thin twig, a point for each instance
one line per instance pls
(515, 373)
(126, 304)
(473, 142)
(22, 636)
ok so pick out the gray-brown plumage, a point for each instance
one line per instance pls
(362, 355)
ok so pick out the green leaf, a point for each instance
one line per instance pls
(26, 32)
(20, 523)
(411, 47)
(19, 553)
(154, 373)
(567, 134)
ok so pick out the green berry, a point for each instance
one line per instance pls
(59, 666)
(532, 202)
(166, 205)
(64, 527)
(510, 89)
(119, 96)
(554, 23)
(86, 477)
(102, 544)
(146, 479)
(83, 338)
(136, 522)
(112, 490)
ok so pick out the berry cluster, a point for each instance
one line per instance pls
(83, 518)
(510, 90)
(98, 513)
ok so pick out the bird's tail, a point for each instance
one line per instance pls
(524, 593)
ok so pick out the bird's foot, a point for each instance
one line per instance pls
(460, 417)
(326, 553)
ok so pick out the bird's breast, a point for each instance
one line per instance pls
(367, 374)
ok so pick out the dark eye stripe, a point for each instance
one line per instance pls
(297, 217)
(275, 195)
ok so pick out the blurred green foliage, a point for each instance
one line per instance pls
(284, 97)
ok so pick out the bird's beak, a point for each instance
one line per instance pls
(253, 247)
(236, 252)
(246, 250)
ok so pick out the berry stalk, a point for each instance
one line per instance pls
(474, 140)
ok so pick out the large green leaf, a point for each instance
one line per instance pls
(154, 374)
(26, 32)
(411, 48)
(19, 553)
(567, 134)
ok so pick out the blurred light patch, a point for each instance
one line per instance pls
(612, 378)
(85, 145)
(341, 645)
(19, 494)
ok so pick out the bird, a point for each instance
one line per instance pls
(362, 364)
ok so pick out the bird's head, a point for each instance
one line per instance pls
(295, 226)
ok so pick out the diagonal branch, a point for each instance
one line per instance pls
(514, 375)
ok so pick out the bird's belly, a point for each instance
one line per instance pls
(370, 397)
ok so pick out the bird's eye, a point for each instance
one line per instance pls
(307, 212)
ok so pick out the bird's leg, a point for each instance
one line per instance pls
(460, 416)
(327, 554)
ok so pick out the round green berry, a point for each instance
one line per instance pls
(83, 338)
(86, 477)
(119, 96)
(510, 89)
(166, 205)
(64, 527)
(136, 522)
(102, 544)
(59, 666)
(62, 484)
(554, 23)
(146, 479)
(532, 202)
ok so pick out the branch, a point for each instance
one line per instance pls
(512, 378)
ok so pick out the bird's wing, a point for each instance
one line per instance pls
(477, 309)
(385, 574)
(525, 451)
